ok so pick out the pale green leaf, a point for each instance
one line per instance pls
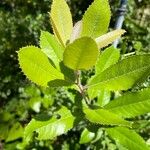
(76, 31)
(81, 54)
(61, 20)
(36, 66)
(50, 46)
(109, 37)
(127, 138)
(104, 117)
(15, 132)
(131, 104)
(86, 136)
(96, 19)
(108, 57)
(52, 127)
(122, 75)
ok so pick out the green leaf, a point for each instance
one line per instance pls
(86, 136)
(109, 37)
(36, 66)
(127, 138)
(122, 75)
(96, 19)
(15, 132)
(76, 31)
(51, 47)
(104, 117)
(81, 54)
(52, 127)
(61, 20)
(131, 104)
(109, 57)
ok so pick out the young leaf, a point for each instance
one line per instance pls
(36, 66)
(52, 127)
(96, 19)
(81, 54)
(61, 20)
(131, 104)
(86, 136)
(76, 31)
(50, 46)
(109, 57)
(108, 38)
(104, 117)
(127, 138)
(122, 75)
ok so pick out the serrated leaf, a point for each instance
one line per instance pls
(15, 132)
(36, 66)
(122, 75)
(51, 47)
(61, 20)
(104, 117)
(86, 136)
(76, 31)
(81, 54)
(127, 138)
(109, 37)
(96, 19)
(52, 127)
(109, 57)
(131, 104)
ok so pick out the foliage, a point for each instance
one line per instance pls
(21, 25)
(120, 76)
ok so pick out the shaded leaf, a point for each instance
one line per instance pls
(104, 117)
(61, 20)
(86, 136)
(131, 104)
(50, 46)
(109, 37)
(15, 132)
(52, 127)
(36, 66)
(96, 19)
(81, 54)
(109, 57)
(122, 75)
(127, 138)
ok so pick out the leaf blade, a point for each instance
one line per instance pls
(81, 54)
(122, 75)
(131, 104)
(96, 19)
(109, 37)
(104, 117)
(51, 128)
(37, 70)
(61, 20)
(128, 138)
(51, 47)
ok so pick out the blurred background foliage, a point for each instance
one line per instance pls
(20, 24)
